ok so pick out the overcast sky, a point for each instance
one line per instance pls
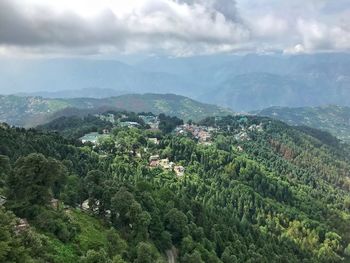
(172, 27)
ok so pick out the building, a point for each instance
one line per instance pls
(165, 164)
(154, 140)
(130, 124)
(154, 157)
(154, 161)
(2, 200)
(55, 203)
(179, 170)
(92, 137)
(21, 226)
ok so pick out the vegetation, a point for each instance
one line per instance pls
(260, 191)
(333, 119)
(33, 111)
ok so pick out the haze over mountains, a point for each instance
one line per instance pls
(243, 83)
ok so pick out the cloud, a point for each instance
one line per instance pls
(175, 27)
(320, 36)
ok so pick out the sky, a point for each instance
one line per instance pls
(105, 28)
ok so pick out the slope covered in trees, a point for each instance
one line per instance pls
(257, 191)
(33, 111)
(333, 119)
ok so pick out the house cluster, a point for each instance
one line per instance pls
(257, 128)
(155, 161)
(110, 117)
(150, 120)
(243, 135)
(201, 133)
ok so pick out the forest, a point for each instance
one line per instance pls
(258, 190)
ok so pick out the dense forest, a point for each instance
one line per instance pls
(257, 191)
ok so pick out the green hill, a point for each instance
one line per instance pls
(333, 119)
(33, 111)
(257, 190)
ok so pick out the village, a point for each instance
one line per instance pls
(203, 135)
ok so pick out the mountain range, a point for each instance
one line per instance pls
(240, 82)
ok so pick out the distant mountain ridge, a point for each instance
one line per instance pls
(333, 119)
(97, 93)
(240, 82)
(33, 111)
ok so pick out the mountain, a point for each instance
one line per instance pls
(32, 111)
(86, 93)
(54, 75)
(258, 190)
(259, 90)
(240, 82)
(252, 82)
(331, 118)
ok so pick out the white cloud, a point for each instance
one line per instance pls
(176, 27)
(320, 36)
(270, 26)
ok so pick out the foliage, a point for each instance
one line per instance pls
(277, 194)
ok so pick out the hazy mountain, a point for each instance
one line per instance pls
(32, 111)
(74, 74)
(242, 83)
(258, 81)
(86, 93)
(334, 119)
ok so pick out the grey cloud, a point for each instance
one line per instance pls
(228, 9)
(178, 27)
(43, 27)
(155, 25)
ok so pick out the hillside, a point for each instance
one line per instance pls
(255, 190)
(333, 119)
(33, 111)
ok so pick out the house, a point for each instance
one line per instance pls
(21, 226)
(179, 170)
(154, 160)
(154, 157)
(165, 164)
(129, 124)
(154, 140)
(154, 163)
(85, 205)
(92, 137)
(55, 203)
(2, 200)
